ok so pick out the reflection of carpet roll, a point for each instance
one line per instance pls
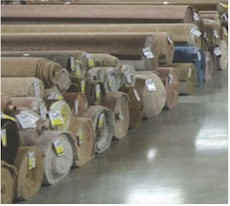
(152, 92)
(103, 124)
(29, 164)
(77, 101)
(48, 71)
(128, 75)
(117, 102)
(8, 183)
(58, 156)
(9, 140)
(209, 66)
(136, 107)
(169, 78)
(82, 129)
(23, 87)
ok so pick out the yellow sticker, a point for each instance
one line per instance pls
(59, 149)
(3, 138)
(60, 97)
(80, 136)
(56, 118)
(5, 116)
(101, 121)
(91, 62)
(31, 160)
(83, 86)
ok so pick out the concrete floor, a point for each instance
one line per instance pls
(178, 157)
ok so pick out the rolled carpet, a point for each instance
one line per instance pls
(103, 125)
(117, 102)
(152, 92)
(8, 183)
(128, 78)
(29, 164)
(23, 87)
(48, 71)
(136, 107)
(58, 155)
(82, 129)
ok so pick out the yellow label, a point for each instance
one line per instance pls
(60, 97)
(83, 86)
(101, 121)
(56, 119)
(98, 92)
(3, 138)
(91, 62)
(31, 161)
(59, 149)
(5, 116)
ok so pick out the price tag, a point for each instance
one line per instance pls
(56, 118)
(217, 51)
(150, 85)
(59, 149)
(27, 119)
(43, 111)
(31, 160)
(3, 137)
(148, 53)
(76, 105)
(98, 92)
(83, 86)
(37, 91)
(170, 40)
(190, 73)
(136, 95)
(196, 32)
(196, 16)
(101, 121)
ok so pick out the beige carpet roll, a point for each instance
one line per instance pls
(171, 83)
(224, 55)
(22, 87)
(118, 103)
(82, 129)
(152, 92)
(58, 155)
(8, 183)
(29, 164)
(103, 125)
(128, 75)
(60, 115)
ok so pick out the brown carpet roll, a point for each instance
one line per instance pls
(58, 154)
(8, 183)
(171, 83)
(103, 125)
(82, 129)
(136, 107)
(128, 78)
(48, 71)
(77, 101)
(118, 103)
(152, 92)
(29, 164)
(22, 87)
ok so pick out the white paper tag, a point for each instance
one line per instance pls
(190, 73)
(43, 111)
(136, 95)
(196, 16)
(3, 137)
(216, 34)
(31, 160)
(76, 105)
(170, 40)
(37, 91)
(148, 53)
(171, 78)
(217, 51)
(150, 85)
(27, 119)
(196, 32)
(56, 118)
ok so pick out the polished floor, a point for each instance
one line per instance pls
(178, 157)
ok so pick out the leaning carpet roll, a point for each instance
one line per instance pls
(8, 183)
(22, 87)
(103, 125)
(152, 92)
(118, 103)
(29, 164)
(82, 129)
(58, 153)
(51, 73)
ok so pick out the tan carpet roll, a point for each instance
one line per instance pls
(82, 129)
(136, 107)
(118, 103)
(128, 78)
(29, 164)
(58, 156)
(103, 125)
(22, 87)
(8, 183)
(152, 92)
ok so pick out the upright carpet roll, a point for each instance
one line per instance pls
(169, 78)
(9, 140)
(136, 107)
(8, 183)
(152, 92)
(29, 164)
(103, 125)
(128, 75)
(77, 101)
(118, 103)
(60, 115)
(23, 87)
(82, 129)
(58, 156)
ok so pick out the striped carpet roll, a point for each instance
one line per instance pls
(58, 156)
(136, 107)
(103, 125)
(77, 101)
(171, 83)
(82, 129)
(22, 87)
(48, 71)
(128, 75)
(60, 115)
(9, 140)
(8, 183)
(117, 102)
(29, 164)
(152, 92)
